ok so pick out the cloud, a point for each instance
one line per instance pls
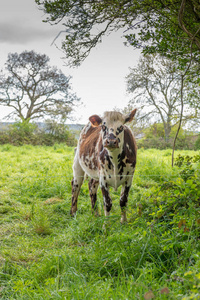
(23, 31)
(21, 23)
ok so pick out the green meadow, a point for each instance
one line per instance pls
(46, 254)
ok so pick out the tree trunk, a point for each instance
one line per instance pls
(180, 120)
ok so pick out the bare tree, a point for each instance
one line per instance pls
(156, 85)
(33, 89)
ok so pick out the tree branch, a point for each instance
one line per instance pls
(181, 24)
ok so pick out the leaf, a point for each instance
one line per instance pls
(186, 229)
(189, 273)
(165, 290)
(52, 200)
(149, 295)
(198, 276)
(181, 223)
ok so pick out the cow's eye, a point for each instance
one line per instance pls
(120, 129)
(103, 127)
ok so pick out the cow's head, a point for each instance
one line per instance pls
(112, 128)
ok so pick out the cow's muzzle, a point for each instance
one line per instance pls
(111, 142)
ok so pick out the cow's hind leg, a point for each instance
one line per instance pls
(76, 185)
(124, 200)
(93, 187)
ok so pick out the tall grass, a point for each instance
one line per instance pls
(46, 254)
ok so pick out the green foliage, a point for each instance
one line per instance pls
(155, 26)
(187, 163)
(21, 133)
(154, 138)
(154, 142)
(197, 143)
(46, 254)
(154, 130)
(182, 132)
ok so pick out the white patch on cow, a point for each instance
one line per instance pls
(127, 146)
(86, 128)
(93, 173)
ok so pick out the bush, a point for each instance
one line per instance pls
(155, 138)
(154, 142)
(22, 133)
(182, 143)
(197, 143)
(25, 132)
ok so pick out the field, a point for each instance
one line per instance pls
(46, 254)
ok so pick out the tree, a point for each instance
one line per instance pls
(159, 26)
(156, 86)
(33, 89)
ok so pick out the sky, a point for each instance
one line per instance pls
(99, 81)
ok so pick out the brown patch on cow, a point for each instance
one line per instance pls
(88, 143)
(128, 154)
(130, 141)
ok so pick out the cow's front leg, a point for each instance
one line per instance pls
(124, 200)
(107, 202)
(93, 187)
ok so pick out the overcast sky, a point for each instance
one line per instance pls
(99, 81)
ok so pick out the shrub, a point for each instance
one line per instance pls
(25, 132)
(154, 142)
(182, 143)
(197, 143)
(22, 133)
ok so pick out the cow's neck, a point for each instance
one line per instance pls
(114, 157)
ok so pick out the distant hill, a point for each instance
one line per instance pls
(41, 125)
(75, 127)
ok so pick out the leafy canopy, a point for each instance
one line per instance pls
(162, 26)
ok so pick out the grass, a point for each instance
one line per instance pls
(46, 254)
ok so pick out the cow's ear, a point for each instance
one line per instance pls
(95, 120)
(130, 116)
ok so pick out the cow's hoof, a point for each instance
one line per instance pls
(72, 214)
(95, 213)
(123, 221)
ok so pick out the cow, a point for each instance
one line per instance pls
(106, 152)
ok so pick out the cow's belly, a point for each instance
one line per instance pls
(114, 179)
(89, 168)
(107, 173)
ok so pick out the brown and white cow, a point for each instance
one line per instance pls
(106, 152)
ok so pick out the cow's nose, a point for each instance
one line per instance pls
(111, 143)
